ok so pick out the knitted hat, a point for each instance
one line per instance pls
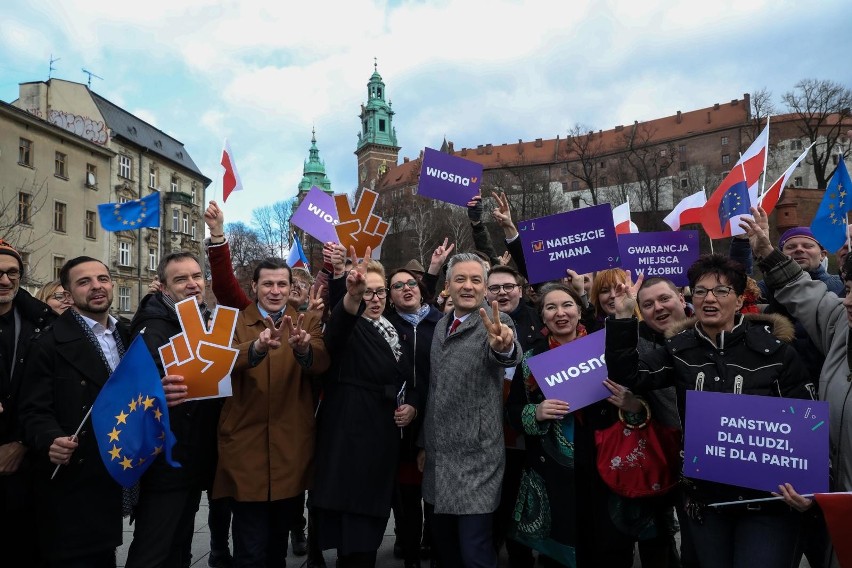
(797, 232)
(6, 248)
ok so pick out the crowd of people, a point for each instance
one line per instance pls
(363, 390)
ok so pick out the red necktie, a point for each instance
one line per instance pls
(456, 324)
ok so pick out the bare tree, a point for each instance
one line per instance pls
(528, 187)
(584, 150)
(422, 227)
(273, 226)
(824, 109)
(762, 108)
(651, 163)
(455, 226)
(17, 211)
(247, 250)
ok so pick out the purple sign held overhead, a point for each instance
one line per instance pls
(573, 372)
(317, 216)
(668, 254)
(756, 441)
(582, 240)
(449, 178)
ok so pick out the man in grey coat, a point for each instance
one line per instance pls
(463, 428)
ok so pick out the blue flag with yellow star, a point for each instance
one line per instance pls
(130, 419)
(829, 224)
(133, 214)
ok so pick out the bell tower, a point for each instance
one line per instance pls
(377, 148)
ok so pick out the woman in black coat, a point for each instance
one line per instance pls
(359, 427)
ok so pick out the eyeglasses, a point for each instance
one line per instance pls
(495, 289)
(12, 273)
(400, 285)
(718, 291)
(382, 293)
(299, 286)
(58, 296)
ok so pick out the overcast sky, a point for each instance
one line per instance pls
(262, 73)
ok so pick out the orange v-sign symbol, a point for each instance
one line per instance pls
(204, 357)
(360, 228)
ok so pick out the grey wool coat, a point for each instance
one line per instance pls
(463, 429)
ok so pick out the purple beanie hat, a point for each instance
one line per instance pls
(797, 232)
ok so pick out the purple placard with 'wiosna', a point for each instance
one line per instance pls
(317, 216)
(574, 372)
(449, 178)
(758, 442)
(667, 254)
(583, 240)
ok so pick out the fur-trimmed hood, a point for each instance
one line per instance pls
(781, 326)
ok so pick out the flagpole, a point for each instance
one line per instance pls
(77, 433)
(765, 161)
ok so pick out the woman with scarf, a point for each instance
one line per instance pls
(359, 424)
(563, 505)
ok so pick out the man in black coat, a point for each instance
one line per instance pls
(79, 510)
(169, 497)
(21, 317)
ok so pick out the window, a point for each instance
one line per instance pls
(682, 149)
(575, 185)
(125, 164)
(797, 181)
(193, 231)
(91, 222)
(91, 175)
(724, 140)
(25, 208)
(123, 253)
(175, 220)
(58, 263)
(684, 183)
(726, 159)
(185, 223)
(60, 168)
(603, 182)
(59, 212)
(152, 259)
(175, 183)
(603, 165)
(25, 260)
(152, 178)
(795, 144)
(683, 166)
(124, 298)
(194, 191)
(381, 125)
(575, 202)
(25, 152)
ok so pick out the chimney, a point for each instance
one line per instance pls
(538, 143)
(479, 149)
(405, 160)
(488, 148)
(716, 106)
(679, 118)
(734, 102)
(619, 128)
(464, 151)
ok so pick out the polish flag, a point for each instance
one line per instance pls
(836, 509)
(231, 180)
(687, 212)
(621, 219)
(297, 258)
(773, 195)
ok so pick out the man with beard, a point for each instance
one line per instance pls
(79, 509)
(168, 496)
(21, 317)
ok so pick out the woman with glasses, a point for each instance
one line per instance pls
(54, 295)
(300, 289)
(415, 321)
(718, 350)
(359, 422)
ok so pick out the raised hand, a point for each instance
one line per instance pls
(500, 336)
(757, 230)
(474, 209)
(575, 281)
(625, 296)
(335, 255)
(355, 282)
(439, 256)
(269, 338)
(201, 357)
(503, 215)
(299, 340)
(315, 299)
(551, 409)
(214, 218)
(505, 258)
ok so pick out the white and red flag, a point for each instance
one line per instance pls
(687, 212)
(621, 219)
(231, 179)
(773, 195)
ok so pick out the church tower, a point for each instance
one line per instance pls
(313, 174)
(377, 149)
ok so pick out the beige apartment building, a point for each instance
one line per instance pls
(112, 156)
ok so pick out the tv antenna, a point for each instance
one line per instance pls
(52, 68)
(90, 74)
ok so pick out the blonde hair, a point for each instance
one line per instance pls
(376, 267)
(47, 290)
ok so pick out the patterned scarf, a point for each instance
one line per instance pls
(416, 317)
(388, 331)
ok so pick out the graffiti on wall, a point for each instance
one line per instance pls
(93, 130)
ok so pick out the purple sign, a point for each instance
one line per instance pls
(449, 178)
(573, 372)
(583, 240)
(317, 216)
(668, 254)
(758, 442)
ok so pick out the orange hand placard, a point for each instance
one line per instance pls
(360, 228)
(203, 357)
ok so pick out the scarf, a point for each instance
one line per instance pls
(388, 331)
(416, 317)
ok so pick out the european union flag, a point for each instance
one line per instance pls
(734, 202)
(130, 419)
(133, 214)
(829, 224)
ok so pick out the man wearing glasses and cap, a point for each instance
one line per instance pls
(21, 317)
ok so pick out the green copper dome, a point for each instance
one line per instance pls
(314, 170)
